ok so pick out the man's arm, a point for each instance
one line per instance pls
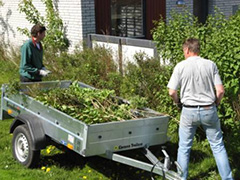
(219, 93)
(174, 95)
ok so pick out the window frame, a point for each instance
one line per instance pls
(143, 23)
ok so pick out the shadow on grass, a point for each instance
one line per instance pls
(197, 156)
(113, 170)
(205, 175)
(67, 160)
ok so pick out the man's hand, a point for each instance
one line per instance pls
(179, 105)
(176, 100)
(44, 72)
(219, 93)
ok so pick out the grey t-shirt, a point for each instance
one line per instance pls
(197, 78)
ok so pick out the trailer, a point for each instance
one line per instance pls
(36, 124)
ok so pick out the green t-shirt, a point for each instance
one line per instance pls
(31, 60)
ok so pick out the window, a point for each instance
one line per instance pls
(127, 18)
(200, 10)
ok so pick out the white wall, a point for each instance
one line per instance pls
(71, 13)
(78, 17)
(128, 51)
(111, 46)
(10, 20)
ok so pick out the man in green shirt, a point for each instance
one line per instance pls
(31, 65)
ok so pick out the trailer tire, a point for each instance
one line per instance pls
(22, 147)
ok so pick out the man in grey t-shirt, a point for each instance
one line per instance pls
(201, 90)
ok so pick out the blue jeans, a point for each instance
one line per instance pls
(207, 117)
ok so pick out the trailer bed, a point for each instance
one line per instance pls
(87, 140)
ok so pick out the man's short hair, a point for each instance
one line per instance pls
(37, 28)
(192, 44)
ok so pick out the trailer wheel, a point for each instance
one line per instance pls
(22, 147)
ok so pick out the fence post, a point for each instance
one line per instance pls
(89, 41)
(120, 63)
(155, 51)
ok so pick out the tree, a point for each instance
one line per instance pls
(55, 39)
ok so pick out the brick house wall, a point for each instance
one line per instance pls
(79, 17)
(171, 5)
(226, 7)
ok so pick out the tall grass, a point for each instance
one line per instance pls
(9, 60)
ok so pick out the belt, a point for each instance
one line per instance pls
(196, 106)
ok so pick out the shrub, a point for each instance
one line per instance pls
(93, 67)
(219, 42)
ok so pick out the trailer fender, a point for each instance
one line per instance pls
(35, 128)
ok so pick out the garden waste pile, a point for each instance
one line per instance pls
(92, 106)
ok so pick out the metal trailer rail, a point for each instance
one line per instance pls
(35, 123)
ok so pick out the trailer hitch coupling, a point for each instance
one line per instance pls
(167, 163)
